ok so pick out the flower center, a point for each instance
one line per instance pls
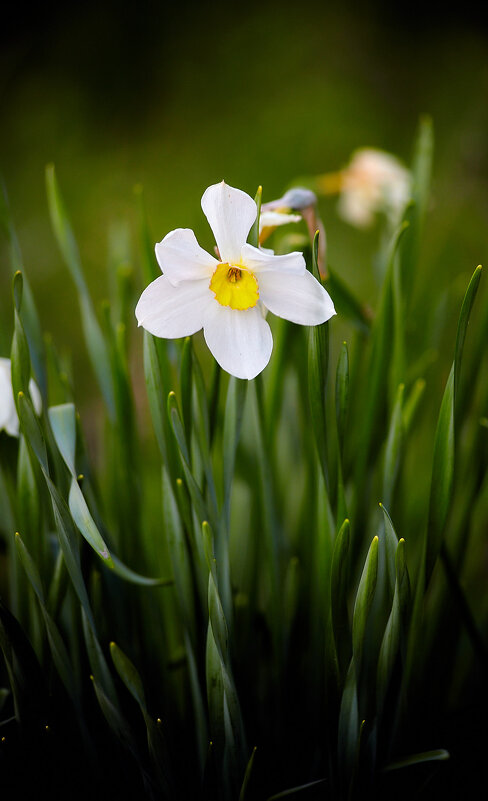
(235, 287)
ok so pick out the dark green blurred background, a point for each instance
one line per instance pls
(178, 97)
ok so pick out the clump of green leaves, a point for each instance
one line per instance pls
(254, 589)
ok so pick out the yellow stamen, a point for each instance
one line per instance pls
(235, 287)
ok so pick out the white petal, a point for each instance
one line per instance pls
(299, 298)
(272, 219)
(35, 396)
(12, 424)
(8, 413)
(182, 259)
(230, 213)
(173, 311)
(356, 209)
(7, 404)
(259, 261)
(240, 341)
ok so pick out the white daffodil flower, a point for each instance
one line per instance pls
(8, 413)
(373, 181)
(228, 297)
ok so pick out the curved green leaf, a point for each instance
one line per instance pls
(438, 755)
(128, 674)
(63, 423)
(364, 599)
(96, 344)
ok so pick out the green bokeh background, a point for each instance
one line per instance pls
(176, 98)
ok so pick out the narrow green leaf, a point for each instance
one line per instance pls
(253, 238)
(444, 445)
(178, 431)
(346, 304)
(442, 475)
(97, 347)
(338, 598)
(24, 672)
(394, 627)
(391, 545)
(29, 315)
(294, 790)
(224, 712)
(318, 364)
(186, 387)
(364, 599)
(154, 389)
(129, 675)
(464, 316)
(411, 403)
(398, 358)
(378, 368)
(149, 264)
(155, 737)
(31, 428)
(342, 393)
(198, 704)
(29, 499)
(224, 708)
(4, 695)
(158, 377)
(160, 756)
(114, 717)
(291, 591)
(126, 573)
(60, 655)
(20, 358)
(29, 567)
(247, 776)
(179, 557)
(17, 289)
(393, 448)
(217, 619)
(215, 689)
(62, 229)
(202, 405)
(59, 585)
(422, 164)
(98, 663)
(349, 729)
(63, 423)
(438, 755)
(234, 410)
(69, 545)
(85, 523)
(202, 431)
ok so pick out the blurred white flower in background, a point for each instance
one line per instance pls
(228, 297)
(373, 181)
(8, 413)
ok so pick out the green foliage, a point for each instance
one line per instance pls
(208, 593)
